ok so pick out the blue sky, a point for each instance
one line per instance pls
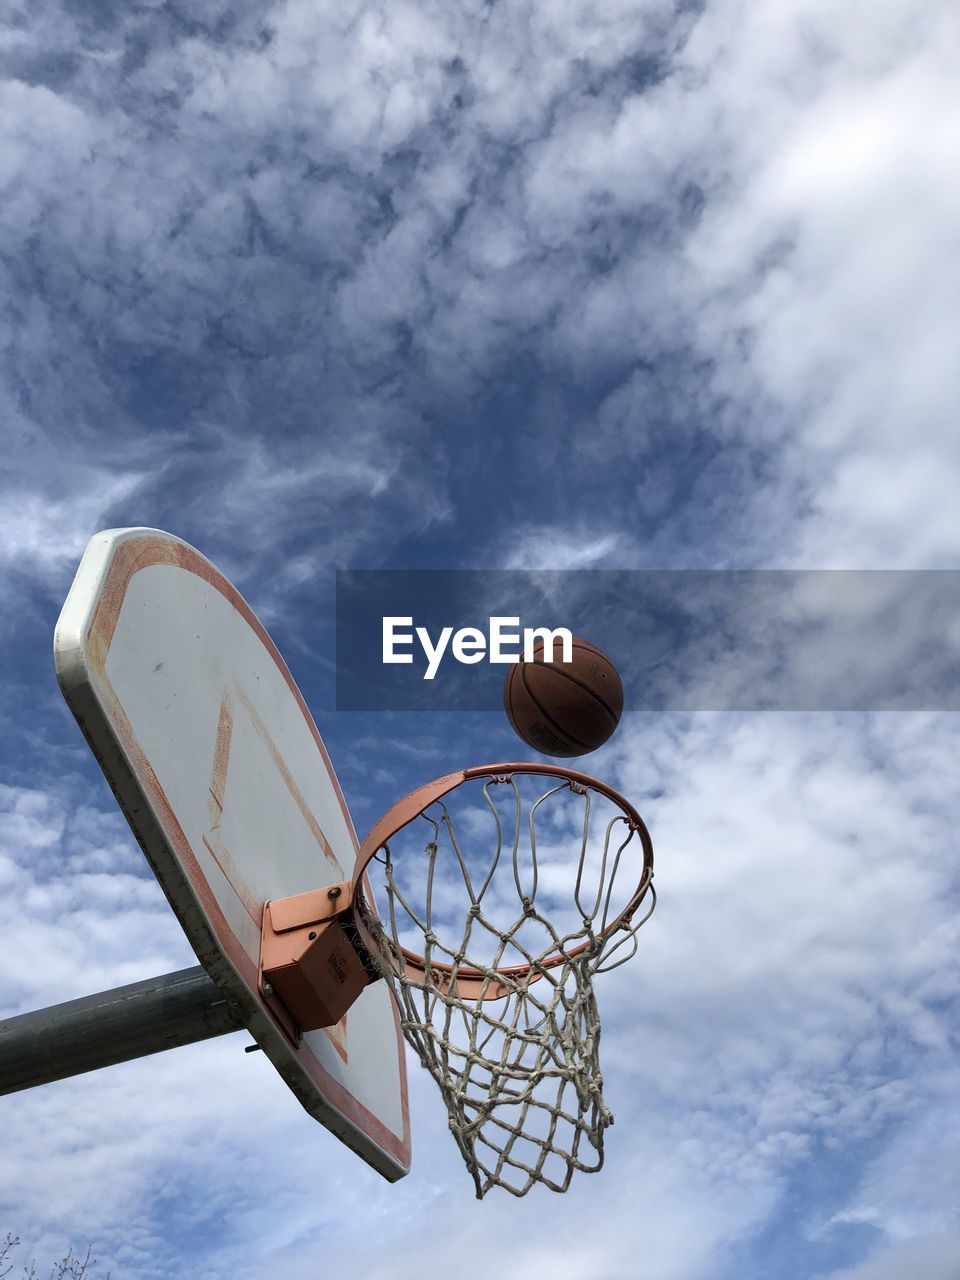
(501, 285)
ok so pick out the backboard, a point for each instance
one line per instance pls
(219, 768)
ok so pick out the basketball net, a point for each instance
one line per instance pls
(503, 1013)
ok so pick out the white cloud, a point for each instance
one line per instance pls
(40, 532)
(900, 1190)
(933, 1259)
(854, 201)
(791, 997)
(245, 272)
(533, 182)
(79, 912)
(560, 547)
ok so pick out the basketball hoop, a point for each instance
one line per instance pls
(493, 969)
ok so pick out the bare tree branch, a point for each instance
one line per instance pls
(10, 1242)
(72, 1266)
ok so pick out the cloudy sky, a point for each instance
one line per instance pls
(500, 285)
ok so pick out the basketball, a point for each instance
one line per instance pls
(564, 708)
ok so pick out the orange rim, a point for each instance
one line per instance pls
(477, 982)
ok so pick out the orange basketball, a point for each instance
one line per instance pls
(564, 708)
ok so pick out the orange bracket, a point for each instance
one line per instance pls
(310, 970)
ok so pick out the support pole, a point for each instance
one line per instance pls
(113, 1026)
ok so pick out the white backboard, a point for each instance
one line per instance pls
(215, 759)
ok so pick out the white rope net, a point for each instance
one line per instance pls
(519, 1073)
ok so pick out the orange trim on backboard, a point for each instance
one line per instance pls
(129, 557)
(307, 813)
(221, 759)
(219, 851)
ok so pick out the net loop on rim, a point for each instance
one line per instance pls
(492, 964)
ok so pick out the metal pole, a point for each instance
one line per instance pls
(113, 1026)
